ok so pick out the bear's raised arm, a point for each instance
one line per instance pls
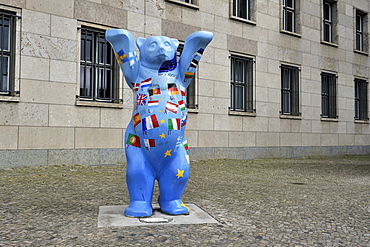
(194, 47)
(123, 44)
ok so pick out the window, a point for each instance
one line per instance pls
(289, 15)
(191, 100)
(328, 22)
(328, 95)
(187, 1)
(290, 90)
(241, 84)
(242, 9)
(98, 69)
(361, 31)
(361, 104)
(7, 52)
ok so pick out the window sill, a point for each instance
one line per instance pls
(361, 52)
(99, 104)
(242, 113)
(362, 121)
(329, 119)
(291, 33)
(14, 99)
(243, 20)
(329, 43)
(290, 117)
(196, 111)
(190, 5)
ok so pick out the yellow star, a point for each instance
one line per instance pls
(161, 121)
(160, 111)
(160, 98)
(180, 173)
(163, 135)
(167, 153)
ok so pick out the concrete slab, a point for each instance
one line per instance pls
(113, 216)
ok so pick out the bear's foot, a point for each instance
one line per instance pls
(175, 207)
(139, 209)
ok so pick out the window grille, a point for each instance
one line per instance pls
(7, 26)
(289, 15)
(242, 9)
(98, 69)
(188, 1)
(361, 100)
(328, 95)
(290, 90)
(241, 84)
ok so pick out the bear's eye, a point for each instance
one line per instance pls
(153, 44)
(167, 43)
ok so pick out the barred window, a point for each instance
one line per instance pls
(188, 1)
(328, 95)
(241, 84)
(242, 9)
(361, 102)
(290, 90)
(7, 51)
(98, 69)
(191, 99)
(289, 15)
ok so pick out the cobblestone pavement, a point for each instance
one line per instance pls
(316, 201)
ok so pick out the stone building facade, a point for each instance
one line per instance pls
(282, 78)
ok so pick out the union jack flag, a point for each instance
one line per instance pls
(141, 99)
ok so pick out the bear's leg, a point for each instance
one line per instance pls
(172, 181)
(140, 182)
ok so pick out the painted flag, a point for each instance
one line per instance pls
(152, 103)
(146, 83)
(133, 140)
(121, 57)
(184, 120)
(199, 52)
(185, 143)
(194, 63)
(141, 99)
(188, 75)
(172, 107)
(183, 90)
(172, 89)
(135, 86)
(174, 124)
(182, 105)
(154, 91)
(168, 65)
(149, 143)
(187, 158)
(150, 122)
(136, 119)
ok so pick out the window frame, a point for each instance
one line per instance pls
(361, 99)
(290, 96)
(192, 90)
(94, 98)
(327, 22)
(248, 101)
(11, 91)
(361, 35)
(329, 95)
(295, 9)
(194, 3)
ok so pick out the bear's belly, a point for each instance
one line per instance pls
(158, 121)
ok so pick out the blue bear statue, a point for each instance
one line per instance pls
(156, 146)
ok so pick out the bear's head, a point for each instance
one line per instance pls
(156, 50)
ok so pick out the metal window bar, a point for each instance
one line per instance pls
(328, 22)
(361, 100)
(241, 84)
(187, 1)
(191, 100)
(359, 32)
(7, 23)
(289, 15)
(290, 91)
(98, 70)
(241, 8)
(328, 95)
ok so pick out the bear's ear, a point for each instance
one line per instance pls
(175, 42)
(140, 42)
